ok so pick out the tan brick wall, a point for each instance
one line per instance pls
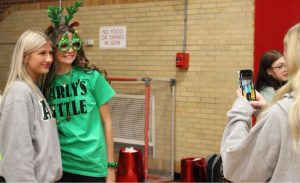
(219, 40)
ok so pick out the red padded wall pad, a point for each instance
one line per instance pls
(273, 18)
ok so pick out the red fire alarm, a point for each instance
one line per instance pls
(182, 60)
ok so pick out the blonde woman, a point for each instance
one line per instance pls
(29, 145)
(270, 151)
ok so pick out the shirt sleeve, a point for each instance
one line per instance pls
(16, 128)
(102, 90)
(249, 154)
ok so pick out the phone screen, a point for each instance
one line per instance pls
(246, 84)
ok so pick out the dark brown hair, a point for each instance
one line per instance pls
(55, 33)
(263, 78)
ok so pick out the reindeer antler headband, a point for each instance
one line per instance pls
(55, 13)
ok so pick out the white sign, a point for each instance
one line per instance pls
(113, 37)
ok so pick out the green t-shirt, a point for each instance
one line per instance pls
(77, 95)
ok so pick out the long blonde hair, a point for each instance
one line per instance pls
(292, 54)
(28, 42)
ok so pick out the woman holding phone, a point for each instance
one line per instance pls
(269, 151)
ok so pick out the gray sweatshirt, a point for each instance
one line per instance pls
(263, 152)
(29, 145)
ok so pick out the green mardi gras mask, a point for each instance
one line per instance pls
(65, 44)
(57, 19)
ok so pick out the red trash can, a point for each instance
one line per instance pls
(193, 170)
(131, 166)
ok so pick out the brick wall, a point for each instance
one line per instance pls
(6, 4)
(219, 40)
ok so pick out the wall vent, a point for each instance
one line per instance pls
(127, 114)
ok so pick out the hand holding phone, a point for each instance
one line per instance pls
(260, 102)
(246, 84)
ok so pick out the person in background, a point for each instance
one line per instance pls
(79, 95)
(29, 145)
(269, 151)
(272, 74)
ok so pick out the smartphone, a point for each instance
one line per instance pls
(246, 84)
